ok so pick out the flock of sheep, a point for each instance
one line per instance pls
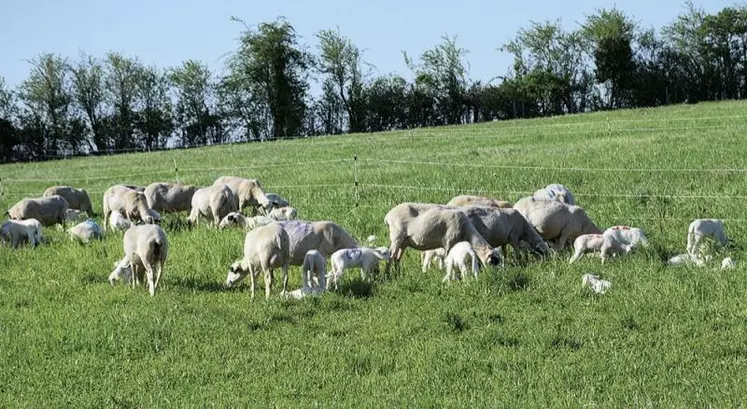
(473, 228)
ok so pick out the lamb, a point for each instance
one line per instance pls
(364, 257)
(615, 240)
(557, 192)
(592, 281)
(236, 219)
(266, 247)
(213, 202)
(86, 231)
(20, 231)
(684, 258)
(77, 199)
(727, 263)
(314, 270)
(470, 200)
(118, 222)
(130, 202)
(700, 228)
(147, 248)
(122, 271)
(586, 243)
(428, 256)
(457, 258)
(170, 197)
(425, 226)
(248, 192)
(48, 211)
(283, 213)
(555, 220)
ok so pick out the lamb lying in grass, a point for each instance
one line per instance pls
(728, 263)
(593, 282)
(86, 231)
(686, 258)
(457, 257)
(364, 257)
(17, 232)
(313, 276)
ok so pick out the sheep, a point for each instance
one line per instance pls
(48, 210)
(633, 236)
(727, 263)
(266, 247)
(586, 243)
(314, 270)
(85, 231)
(118, 222)
(73, 215)
(147, 248)
(170, 197)
(364, 257)
(213, 202)
(555, 220)
(425, 226)
(130, 202)
(274, 201)
(615, 240)
(247, 192)
(20, 231)
(122, 271)
(324, 236)
(428, 256)
(557, 192)
(457, 257)
(236, 219)
(700, 228)
(77, 199)
(467, 200)
(592, 281)
(283, 213)
(685, 258)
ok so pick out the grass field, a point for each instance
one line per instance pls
(523, 336)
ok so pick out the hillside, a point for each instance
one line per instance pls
(523, 336)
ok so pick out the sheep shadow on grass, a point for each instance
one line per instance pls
(194, 284)
(356, 288)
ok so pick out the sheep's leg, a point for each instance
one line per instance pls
(447, 276)
(427, 256)
(253, 282)
(693, 239)
(576, 255)
(151, 279)
(285, 279)
(159, 271)
(268, 283)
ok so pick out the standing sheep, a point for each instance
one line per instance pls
(324, 236)
(700, 228)
(457, 258)
(364, 257)
(130, 202)
(170, 197)
(48, 211)
(314, 270)
(18, 232)
(77, 199)
(147, 248)
(213, 202)
(470, 200)
(557, 192)
(555, 220)
(428, 256)
(266, 247)
(248, 192)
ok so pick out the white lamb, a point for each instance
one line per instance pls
(684, 258)
(86, 231)
(727, 263)
(118, 222)
(592, 281)
(429, 256)
(586, 243)
(457, 258)
(314, 270)
(236, 219)
(20, 231)
(122, 271)
(701, 228)
(283, 213)
(366, 258)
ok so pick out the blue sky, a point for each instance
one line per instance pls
(166, 32)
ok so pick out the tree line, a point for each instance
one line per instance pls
(114, 103)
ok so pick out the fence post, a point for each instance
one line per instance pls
(355, 173)
(2, 191)
(176, 171)
(609, 127)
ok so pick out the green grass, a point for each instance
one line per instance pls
(526, 336)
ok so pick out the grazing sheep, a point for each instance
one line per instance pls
(470, 200)
(86, 231)
(130, 202)
(425, 226)
(428, 256)
(457, 258)
(73, 215)
(76, 198)
(283, 213)
(17, 232)
(135, 187)
(592, 281)
(236, 219)
(275, 200)
(213, 202)
(170, 197)
(700, 228)
(118, 222)
(247, 192)
(48, 210)
(364, 257)
(122, 271)
(147, 248)
(266, 247)
(314, 270)
(555, 192)
(633, 236)
(586, 243)
(727, 263)
(324, 236)
(555, 220)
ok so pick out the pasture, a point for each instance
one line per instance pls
(526, 335)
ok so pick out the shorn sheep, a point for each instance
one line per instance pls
(147, 248)
(557, 192)
(170, 197)
(48, 210)
(701, 228)
(17, 232)
(425, 226)
(555, 220)
(212, 202)
(130, 202)
(470, 200)
(265, 248)
(77, 199)
(248, 192)
(457, 257)
(364, 257)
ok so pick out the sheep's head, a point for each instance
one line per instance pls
(152, 217)
(235, 273)
(494, 258)
(122, 270)
(232, 219)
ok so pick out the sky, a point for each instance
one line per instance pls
(167, 32)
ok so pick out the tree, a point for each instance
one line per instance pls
(153, 118)
(88, 92)
(273, 70)
(8, 132)
(196, 106)
(122, 87)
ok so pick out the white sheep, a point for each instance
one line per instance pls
(236, 219)
(48, 210)
(122, 271)
(266, 248)
(700, 228)
(684, 258)
(586, 243)
(170, 197)
(247, 192)
(130, 202)
(17, 232)
(457, 258)
(471, 200)
(555, 220)
(212, 202)
(118, 222)
(429, 256)
(592, 281)
(76, 198)
(728, 263)
(283, 213)
(555, 191)
(364, 257)
(314, 270)
(303, 292)
(147, 248)
(85, 231)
